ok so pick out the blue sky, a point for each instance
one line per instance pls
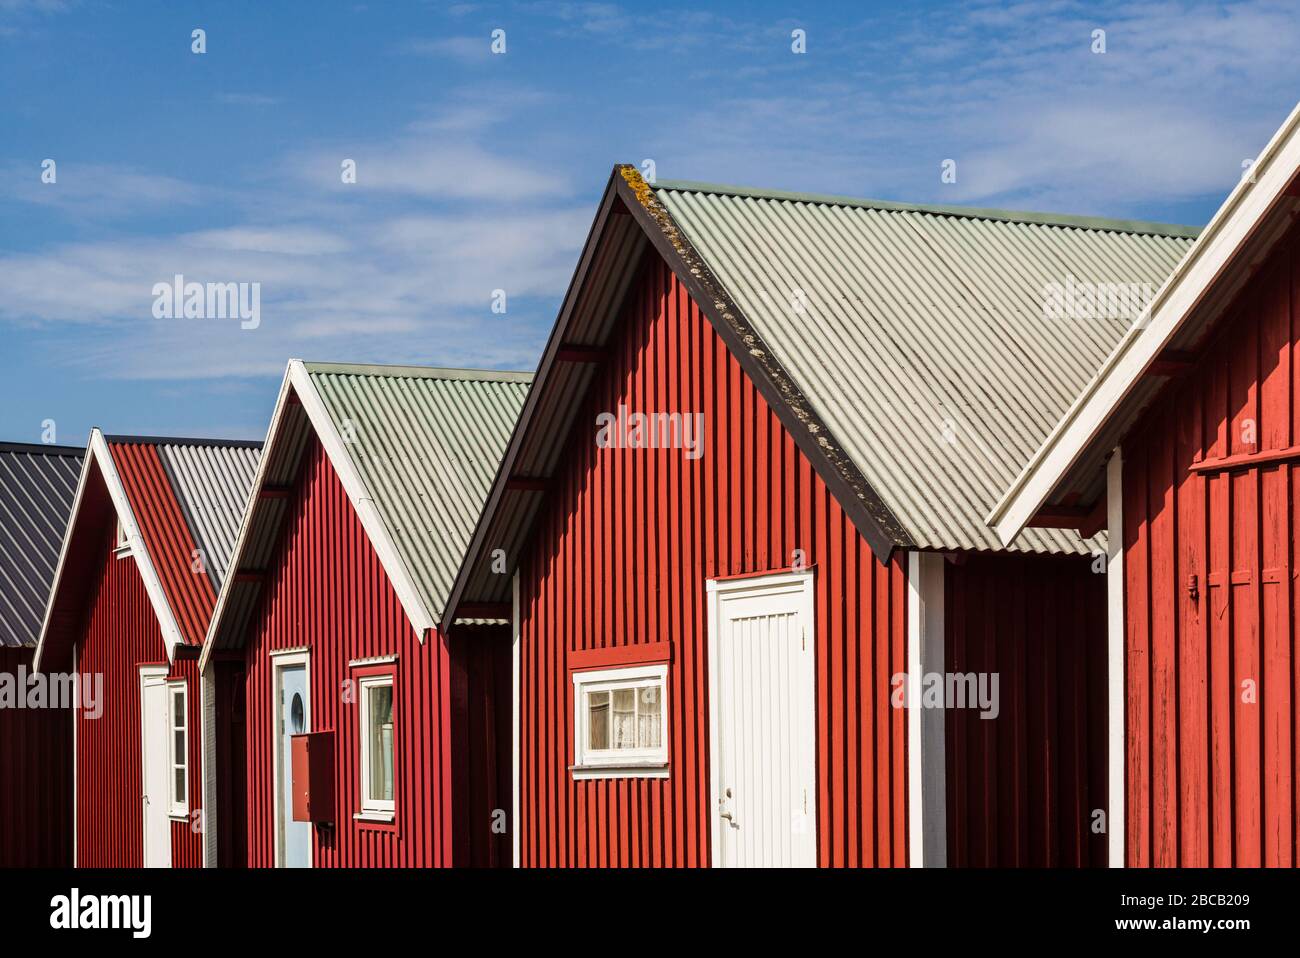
(478, 172)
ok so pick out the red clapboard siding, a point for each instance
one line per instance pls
(1212, 677)
(1022, 788)
(35, 779)
(120, 634)
(327, 590)
(621, 555)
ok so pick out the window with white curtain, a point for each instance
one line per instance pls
(377, 744)
(621, 721)
(179, 750)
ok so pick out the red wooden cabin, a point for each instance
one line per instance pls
(355, 732)
(37, 483)
(144, 553)
(1189, 442)
(709, 625)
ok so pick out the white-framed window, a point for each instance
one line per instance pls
(121, 545)
(178, 779)
(620, 726)
(377, 782)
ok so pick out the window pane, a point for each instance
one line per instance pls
(380, 701)
(598, 720)
(178, 784)
(178, 711)
(178, 745)
(649, 716)
(624, 732)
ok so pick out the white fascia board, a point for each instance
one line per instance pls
(245, 523)
(1212, 252)
(97, 453)
(360, 496)
(171, 631)
(87, 463)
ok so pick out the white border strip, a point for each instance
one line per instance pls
(1216, 247)
(1115, 785)
(516, 715)
(927, 800)
(97, 452)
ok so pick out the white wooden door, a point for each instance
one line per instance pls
(762, 710)
(155, 767)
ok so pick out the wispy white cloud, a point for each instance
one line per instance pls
(92, 190)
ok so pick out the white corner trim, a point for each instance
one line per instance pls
(172, 636)
(86, 465)
(97, 453)
(516, 714)
(207, 764)
(927, 838)
(1218, 243)
(241, 538)
(362, 500)
(1115, 720)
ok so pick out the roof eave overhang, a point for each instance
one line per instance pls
(628, 191)
(297, 382)
(1074, 437)
(98, 453)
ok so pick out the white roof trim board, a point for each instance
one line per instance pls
(97, 452)
(362, 499)
(1248, 203)
(299, 382)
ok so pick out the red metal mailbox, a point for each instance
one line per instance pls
(312, 784)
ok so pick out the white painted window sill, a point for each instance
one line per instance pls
(382, 817)
(581, 772)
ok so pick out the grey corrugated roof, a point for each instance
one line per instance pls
(920, 339)
(212, 483)
(37, 486)
(427, 443)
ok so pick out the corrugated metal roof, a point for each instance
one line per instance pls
(427, 443)
(37, 486)
(187, 494)
(212, 484)
(918, 334)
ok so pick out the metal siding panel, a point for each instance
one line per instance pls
(37, 487)
(1021, 789)
(35, 779)
(327, 590)
(120, 634)
(940, 319)
(620, 555)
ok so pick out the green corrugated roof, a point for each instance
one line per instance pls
(427, 443)
(920, 339)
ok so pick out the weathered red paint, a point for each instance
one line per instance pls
(620, 557)
(1212, 678)
(35, 779)
(1024, 788)
(327, 591)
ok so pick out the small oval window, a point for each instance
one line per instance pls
(296, 713)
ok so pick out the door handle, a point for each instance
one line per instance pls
(728, 817)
